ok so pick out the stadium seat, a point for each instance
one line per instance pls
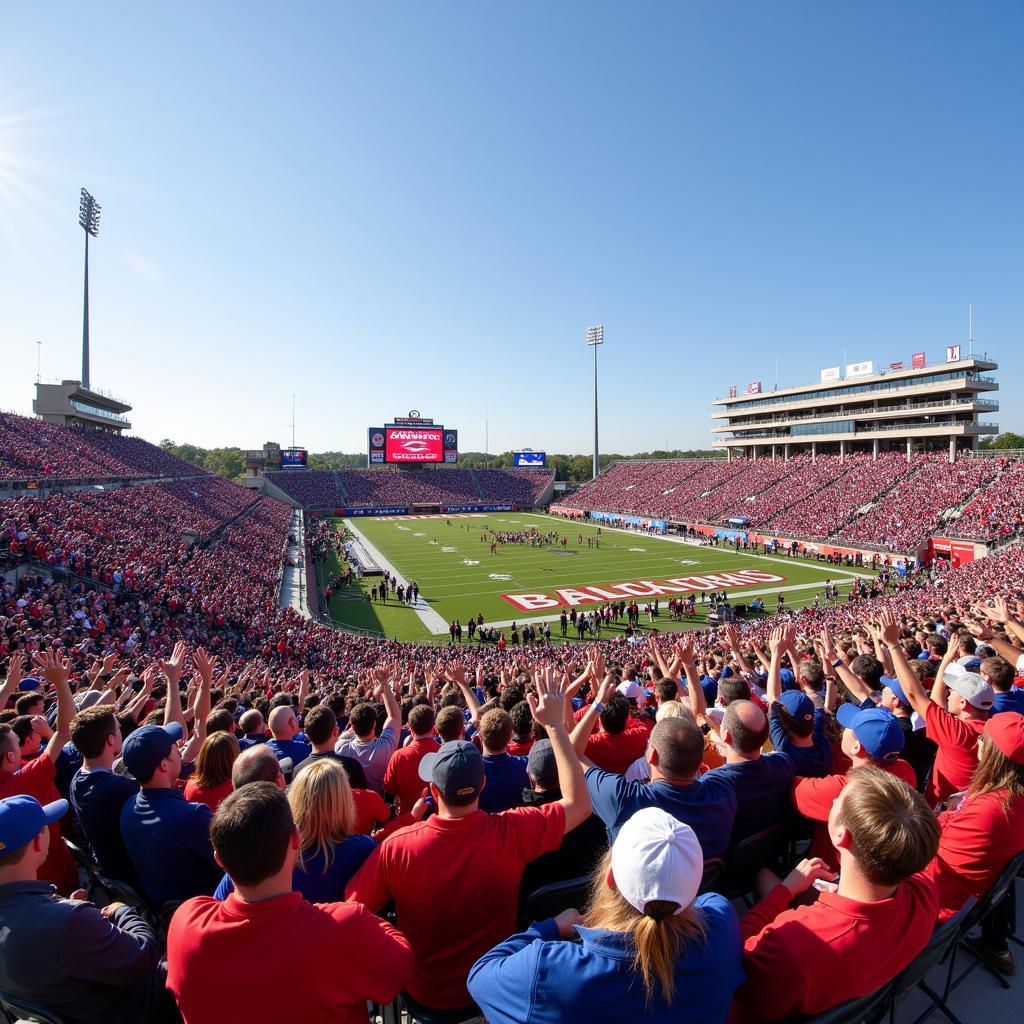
(713, 870)
(940, 946)
(864, 1010)
(551, 900)
(425, 1015)
(971, 919)
(745, 859)
(86, 864)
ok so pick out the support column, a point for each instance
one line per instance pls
(952, 448)
(910, 449)
(842, 451)
(814, 452)
(785, 453)
(753, 451)
(874, 450)
(773, 453)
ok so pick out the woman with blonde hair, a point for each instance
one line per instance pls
(329, 852)
(649, 946)
(210, 782)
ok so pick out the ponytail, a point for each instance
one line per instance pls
(659, 934)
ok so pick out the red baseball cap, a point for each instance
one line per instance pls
(1006, 731)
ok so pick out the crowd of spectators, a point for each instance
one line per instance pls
(184, 732)
(908, 513)
(31, 449)
(818, 499)
(997, 510)
(513, 486)
(311, 488)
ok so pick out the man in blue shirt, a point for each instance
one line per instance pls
(761, 781)
(797, 728)
(167, 837)
(999, 672)
(285, 740)
(506, 775)
(706, 803)
(97, 794)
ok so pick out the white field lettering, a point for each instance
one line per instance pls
(571, 596)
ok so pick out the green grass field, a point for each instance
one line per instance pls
(459, 577)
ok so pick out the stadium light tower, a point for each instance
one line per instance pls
(595, 337)
(89, 220)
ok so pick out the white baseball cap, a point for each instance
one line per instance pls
(657, 857)
(632, 690)
(971, 686)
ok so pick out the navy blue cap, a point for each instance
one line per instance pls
(798, 704)
(29, 683)
(147, 747)
(876, 729)
(23, 817)
(787, 679)
(894, 685)
(457, 769)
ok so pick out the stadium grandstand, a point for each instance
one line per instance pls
(146, 629)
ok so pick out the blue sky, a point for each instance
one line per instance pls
(385, 207)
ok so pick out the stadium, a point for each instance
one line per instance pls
(722, 734)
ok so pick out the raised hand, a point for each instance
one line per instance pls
(52, 667)
(172, 668)
(548, 706)
(203, 664)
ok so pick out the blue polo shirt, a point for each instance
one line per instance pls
(1011, 701)
(762, 791)
(506, 779)
(813, 762)
(168, 840)
(537, 978)
(98, 797)
(707, 805)
(298, 750)
(245, 742)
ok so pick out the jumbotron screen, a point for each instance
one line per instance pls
(294, 458)
(414, 444)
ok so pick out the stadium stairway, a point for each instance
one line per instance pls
(340, 488)
(477, 485)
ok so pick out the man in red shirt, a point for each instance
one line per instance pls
(981, 836)
(455, 877)
(803, 960)
(955, 715)
(622, 739)
(336, 956)
(36, 778)
(871, 737)
(402, 776)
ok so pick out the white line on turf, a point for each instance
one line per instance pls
(430, 619)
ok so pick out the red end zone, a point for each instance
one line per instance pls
(569, 596)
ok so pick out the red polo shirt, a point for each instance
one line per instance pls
(401, 777)
(334, 957)
(804, 960)
(959, 743)
(371, 811)
(615, 752)
(455, 883)
(978, 840)
(814, 798)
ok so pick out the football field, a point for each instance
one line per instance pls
(459, 577)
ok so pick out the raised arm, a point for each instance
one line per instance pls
(15, 674)
(172, 669)
(57, 670)
(457, 676)
(585, 726)
(911, 685)
(776, 644)
(837, 663)
(547, 707)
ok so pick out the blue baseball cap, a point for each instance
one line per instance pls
(876, 729)
(457, 769)
(787, 679)
(23, 817)
(29, 683)
(894, 685)
(798, 704)
(147, 747)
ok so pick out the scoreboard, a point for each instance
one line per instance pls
(412, 440)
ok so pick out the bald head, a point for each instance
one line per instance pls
(257, 764)
(676, 748)
(745, 727)
(251, 722)
(282, 723)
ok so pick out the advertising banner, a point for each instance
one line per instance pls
(860, 369)
(412, 444)
(917, 360)
(831, 374)
(952, 353)
(374, 511)
(754, 388)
